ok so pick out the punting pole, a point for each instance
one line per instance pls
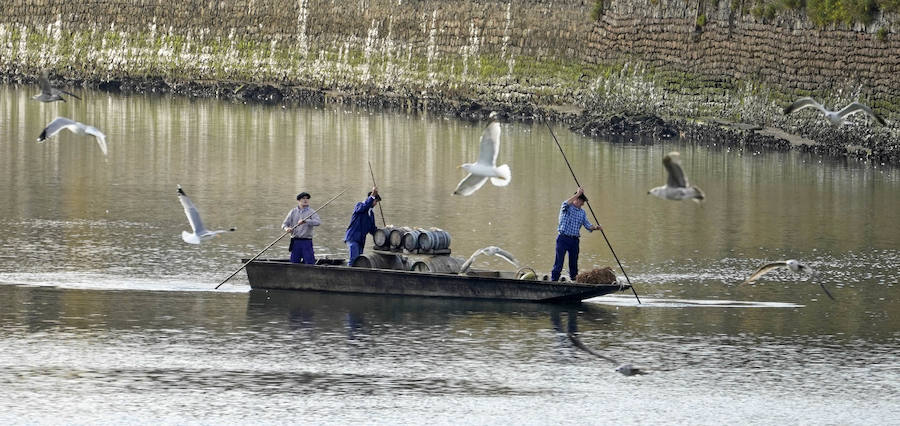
(279, 239)
(592, 213)
(383, 223)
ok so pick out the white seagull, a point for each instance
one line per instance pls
(75, 127)
(677, 187)
(836, 118)
(489, 250)
(791, 264)
(48, 92)
(200, 233)
(486, 166)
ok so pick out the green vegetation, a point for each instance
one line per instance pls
(823, 12)
(882, 34)
(597, 10)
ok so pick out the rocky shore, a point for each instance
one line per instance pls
(851, 141)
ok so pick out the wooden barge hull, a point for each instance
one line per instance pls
(283, 275)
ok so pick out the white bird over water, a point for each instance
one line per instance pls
(791, 264)
(491, 251)
(486, 166)
(200, 233)
(48, 92)
(836, 118)
(75, 127)
(677, 187)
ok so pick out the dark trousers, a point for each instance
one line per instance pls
(302, 249)
(565, 243)
(356, 249)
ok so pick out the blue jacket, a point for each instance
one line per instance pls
(362, 222)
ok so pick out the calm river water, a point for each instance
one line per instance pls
(106, 316)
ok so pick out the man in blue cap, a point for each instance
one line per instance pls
(300, 221)
(571, 219)
(362, 223)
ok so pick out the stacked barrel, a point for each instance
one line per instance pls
(396, 238)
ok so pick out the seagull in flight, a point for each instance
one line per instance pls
(48, 92)
(677, 187)
(486, 166)
(791, 264)
(489, 250)
(836, 118)
(200, 233)
(75, 127)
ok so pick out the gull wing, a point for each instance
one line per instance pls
(55, 126)
(101, 138)
(507, 256)
(469, 184)
(763, 269)
(804, 103)
(857, 107)
(191, 212)
(44, 82)
(465, 266)
(826, 291)
(490, 145)
(676, 174)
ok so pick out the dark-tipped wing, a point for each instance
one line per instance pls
(490, 145)
(676, 174)
(857, 107)
(68, 93)
(763, 269)
(191, 212)
(804, 103)
(469, 184)
(55, 126)
(826, 291)
(507, 256)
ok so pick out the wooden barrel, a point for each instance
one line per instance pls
(438, 265)
(411, 239)
(381, 238)
(396, 237)
(379, 261)
(435, 239)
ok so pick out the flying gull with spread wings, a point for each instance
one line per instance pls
(677, 187)
(836, 118)
(486, 166)
(791, 264)
(60, 123)
(200, 233)
(48, 92)
(491, 251)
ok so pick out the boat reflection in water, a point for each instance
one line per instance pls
(410, 320)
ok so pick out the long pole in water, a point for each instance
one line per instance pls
(383, 223)
(592, 213)
(279, 239)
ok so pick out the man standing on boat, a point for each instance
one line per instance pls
(571, 219)
(362, 223)
(300, 221)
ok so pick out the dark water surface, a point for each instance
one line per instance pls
(106, 316)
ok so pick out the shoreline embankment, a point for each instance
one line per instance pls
(650, 68)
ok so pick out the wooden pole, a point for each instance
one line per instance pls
(383, 223)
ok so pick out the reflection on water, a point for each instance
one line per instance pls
(180, 357)
(88, 245)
